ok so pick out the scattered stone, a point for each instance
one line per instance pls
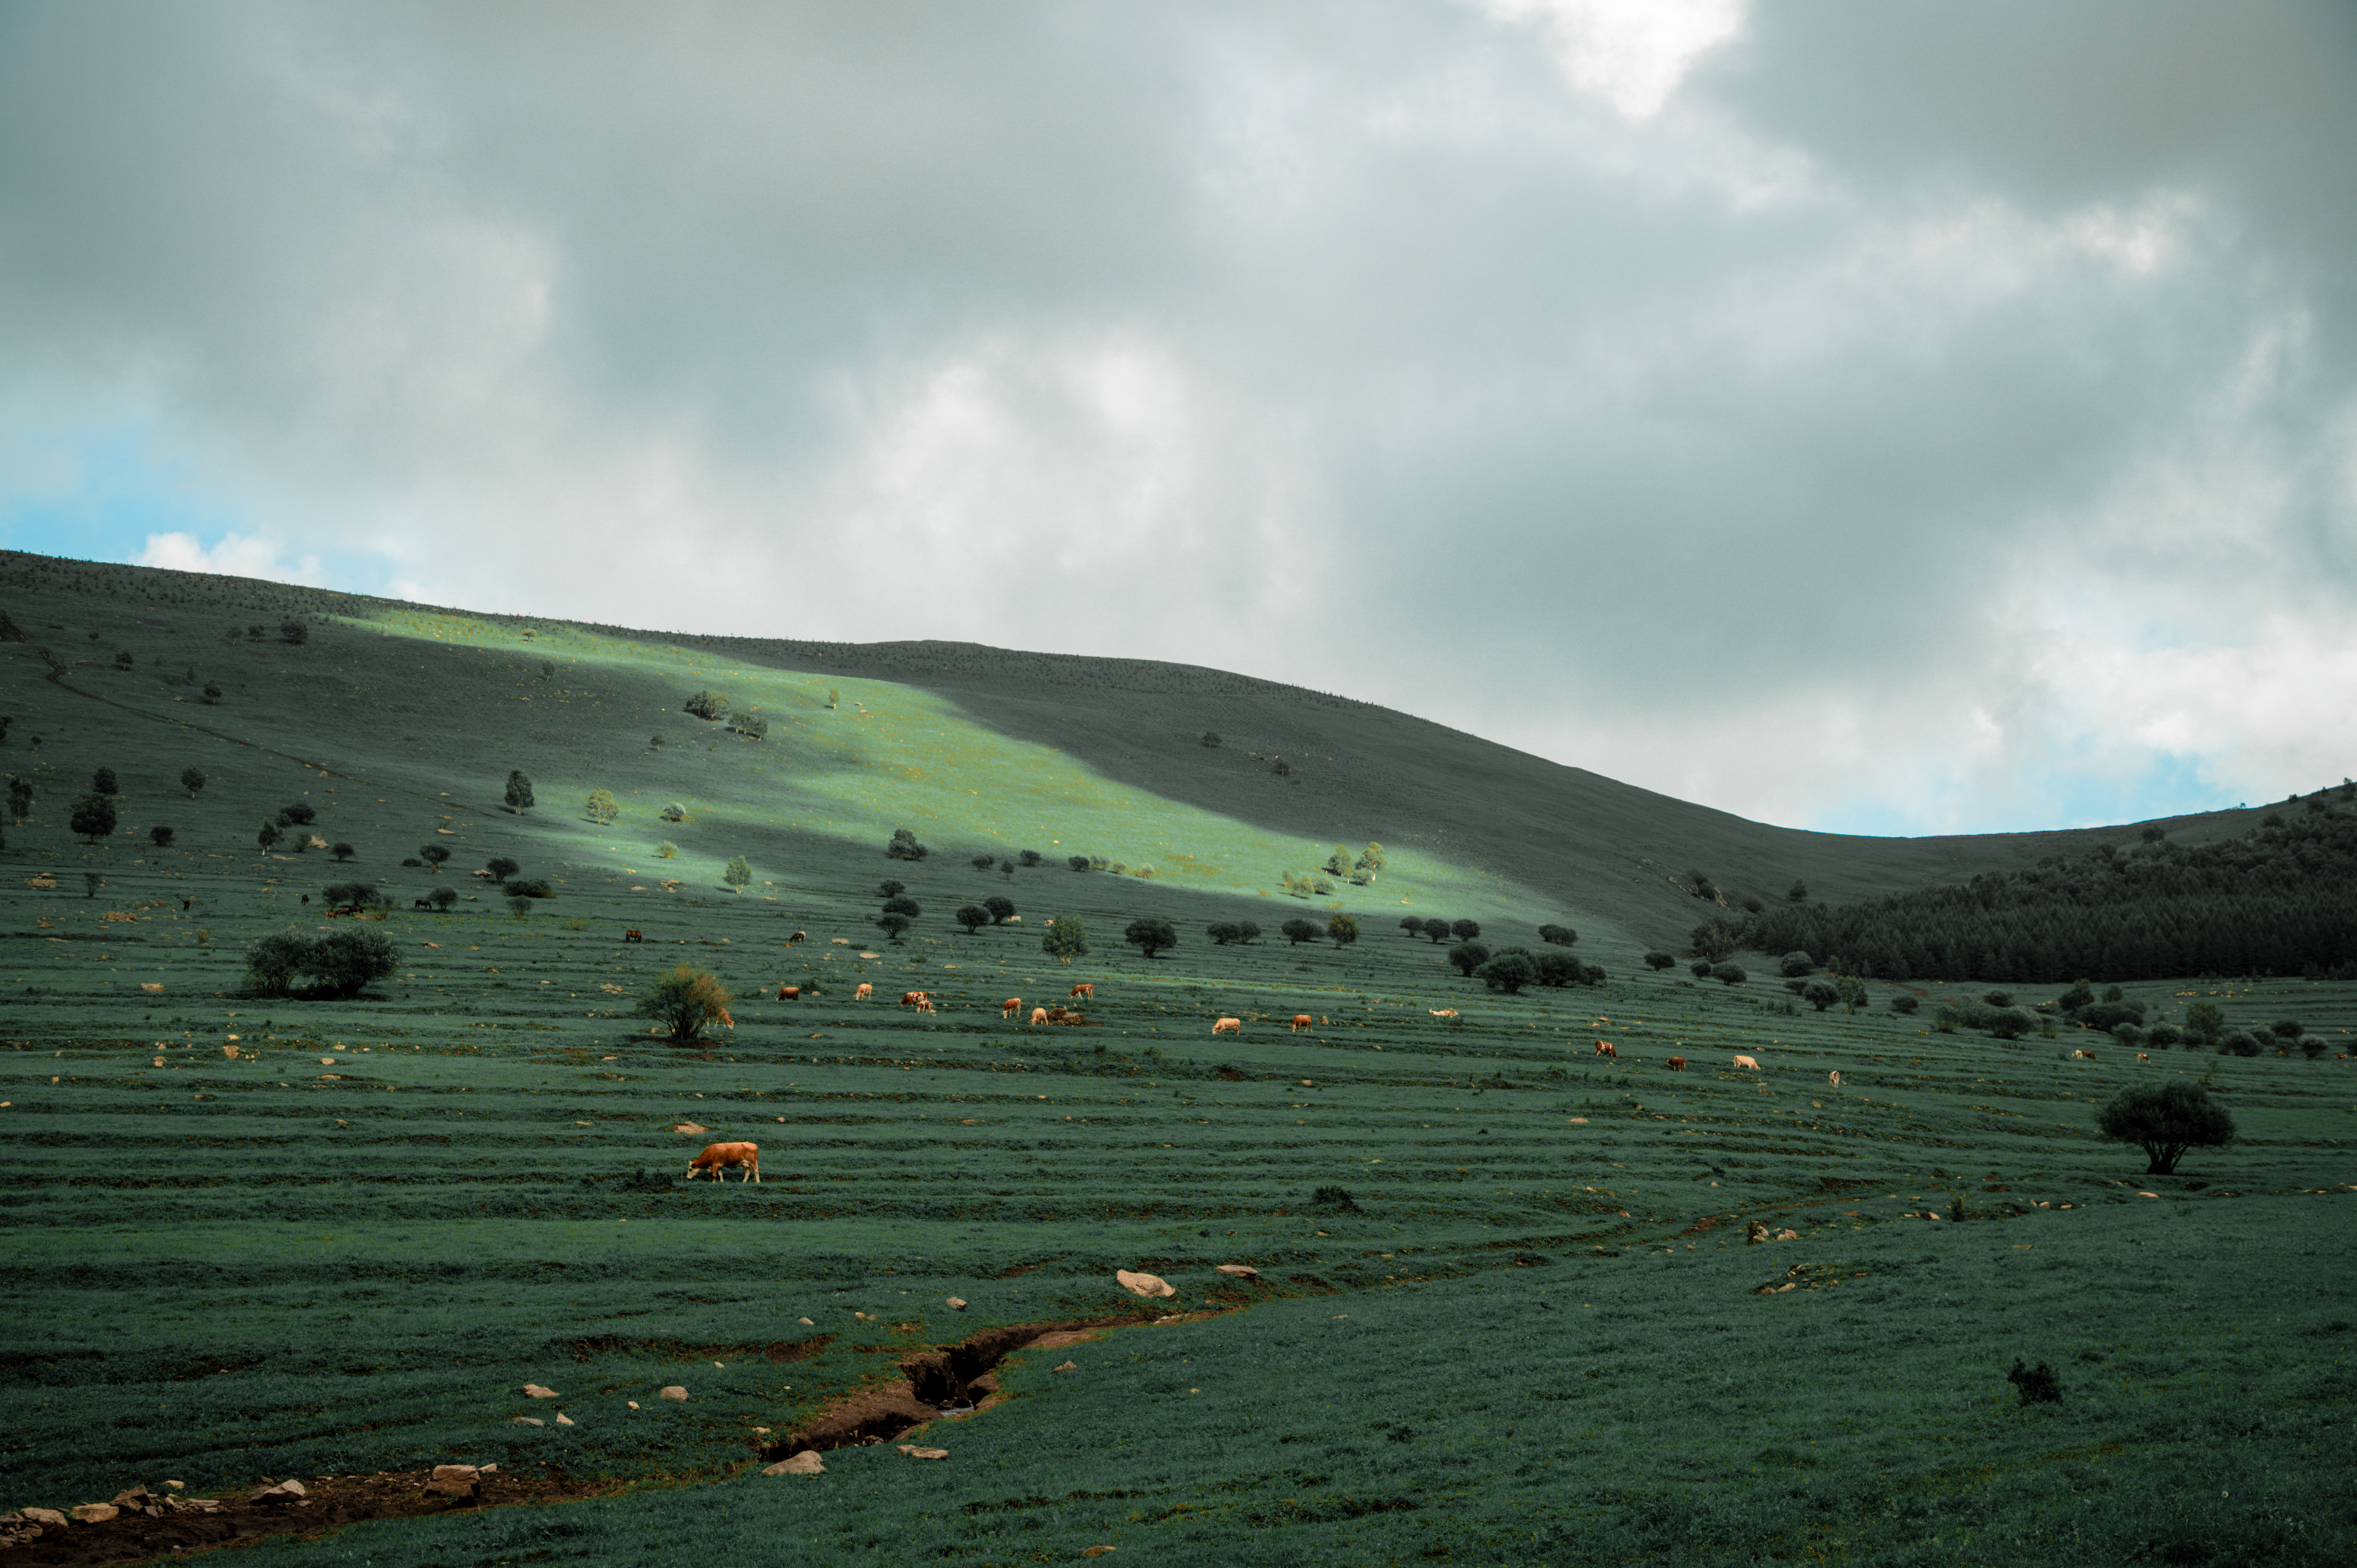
(1144, 1285)
(139, 1500)
(806, 1463)
(1099, 1551)
(1788, 1235)
(177, 1486)
(633, 1403)
(456, 1481)
(913, 1451)
(50, 1517)
(805, 1323)
(196, 1505)
(1069, 1366)
(563, 1419)
(690, 1127)
(1754, 1234)
(284, 1492)
(536, 1391)
(1242, 1271)
(527, 1421)
(94, 1513)
(957, 1303)
(675, 1392)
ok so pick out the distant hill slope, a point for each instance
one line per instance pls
(984, 748)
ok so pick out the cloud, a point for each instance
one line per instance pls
(231, 555)
(1890, 419)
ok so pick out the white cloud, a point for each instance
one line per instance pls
(1631, 53)
(233, 556)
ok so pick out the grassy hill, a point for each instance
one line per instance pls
(1503, 1310)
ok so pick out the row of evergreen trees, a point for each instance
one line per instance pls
(2280, 899)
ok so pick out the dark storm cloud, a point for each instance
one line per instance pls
(1897, 416)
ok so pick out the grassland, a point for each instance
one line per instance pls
(1534, 1334)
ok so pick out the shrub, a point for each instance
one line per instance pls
(1797, 893)
(738, 873)
(161, 837)
(1437, 929)
(532, 889)
(1820, 994)
(297, 814)
(92, 817)
(1222, 932)
(1297, 931)
(973, 917)
(1344, 930)
(1006, 869)
(1028, 857)
(411, 862)
(892, 925)
(2311, 1046)
(655, 740)
(904, 846)
(2129, 1036)
(273, 962)
(2289, 1028)
(1557, 969)
(1729, 974)
(752, 726)
(344, 961)
(672, 811)
(192, 779)
(20, 798)
(708, 705)
(1594, 974)
(2009, 1022)
(1077, 862)
(1151, 934)
(1333, 1198)
(1001, 908)
(1211, 737)
(212, 692)
(433, 855)
(2161, 1036)
(1998, 998)
(2166, 1118)
(1714, 938)
(600, 807)
(1509, 971)
(1852, 991)
(1064, 938)
(519, 791)
(343, 852)
(1658, 959)
(2204, 1020)
(1796, 963)
(1559, 936)
(685, 999)
(984, 862)
(904, 904)
(1370, 864)
(2239, 1043)
(1699, 969)
(888, 888)
(1468, 957)
(501, 868)
(665, 850)
(294, 631)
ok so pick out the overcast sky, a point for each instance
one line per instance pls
(1888, 417)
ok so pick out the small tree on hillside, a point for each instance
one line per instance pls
(1729, 974)
(433, 854)
(20, 798)
(1339, 863)
(685, 999)
(1509, 971)
(1465, 930)
(1298, 930)
(1221, 932)
(1246, 931)
(738, 873)
(1001, 908)
(1342, 929)
(1064, 938)
(1077, 862)
(1151, 934)
(904, 846)
(212, 692)
(1559, 936)
(501, 868)
(905, 907)
(601, 808)
(293, 632)
(708, 705)
(192, 779)
(297, 813)
(984, 862)
(104, 782)
(1371, 862)
(267, 834)
(1795, 964)
(1820, 994)
(2168, 1120)
(1029, 857)
(892, 926)
(1797, 893)
(1557, 969)
(1437, 929)
(1413, 925)
(1659, 959)
(888, 888)
(1714, 938)
(348, 960)
(1468, 957)
(1852, 991)
(273, 962)
(519, 791)
(92, 817)
(973, 917)
(161, 837)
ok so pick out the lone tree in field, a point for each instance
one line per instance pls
(1342, 929)
(738, 873)
(685, 999)
(601, 809)
(1437, 929)
(984, 862)
(92, 817)
(501, 868)
(297, 814)
(1064, 938)
(212, 692)
(2167, 1119)
(267, 834)
(1297, 931)
(1659, 959)
(1001, 908)
(892, 925)
(294, 632)
(888, 888)
(904, 846)
(973, 917)
(192, 779)
(1149, 934)
(342, 852)
(519, 791)
(433, 854)
(104, 782)
(161, 837)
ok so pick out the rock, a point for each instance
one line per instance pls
(1242, 1271)
(96, 1513)
(675, 1392)
(456, 1480)
(633, 1403)
(1788, 1235)
(527, 1421)
(806, 1463)
(1754, 1233)
(957, 1303)
(805, 1323)
(1069, 1366)
(284, 1492)
(563, 1419)
(690, 1127)
(914, 1452)
(1099, 1551)
(1144, 1285)
(196, 1505)
(139, 1500)
(48, 1517)
(536, 1391)
(177, 1486)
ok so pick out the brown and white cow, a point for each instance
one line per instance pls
(1834, 1078)
(1085, 988)
(1604, 1049)
(1229, 1026)
(790, 993)
(912, 999)
(1039, 1016)
(2082, 1056)
(1750, 1064)
(864, 993)
(1677, 1064)
(1300, 1022)
(632, 937)
(1449, 1013)
(718, 1157)
(797, 937)
(1011, 1006)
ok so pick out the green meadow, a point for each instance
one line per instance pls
(1505, 1309)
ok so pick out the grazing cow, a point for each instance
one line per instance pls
(912, 999)
(1229, 1026)
(1300, 1022)
(2142, 1058)
(1604, 1049)
(718, 1157)
(1677, 1064)
(1086, 988)
(725, 1021)
(1039, 1016)
(790, 993)
(1751, 1063)
(2082, 1056)
(1834, 1078)
(632, 937)
(864, 993)
(797, 937)
(1011, 1006)
(1448, 1012)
